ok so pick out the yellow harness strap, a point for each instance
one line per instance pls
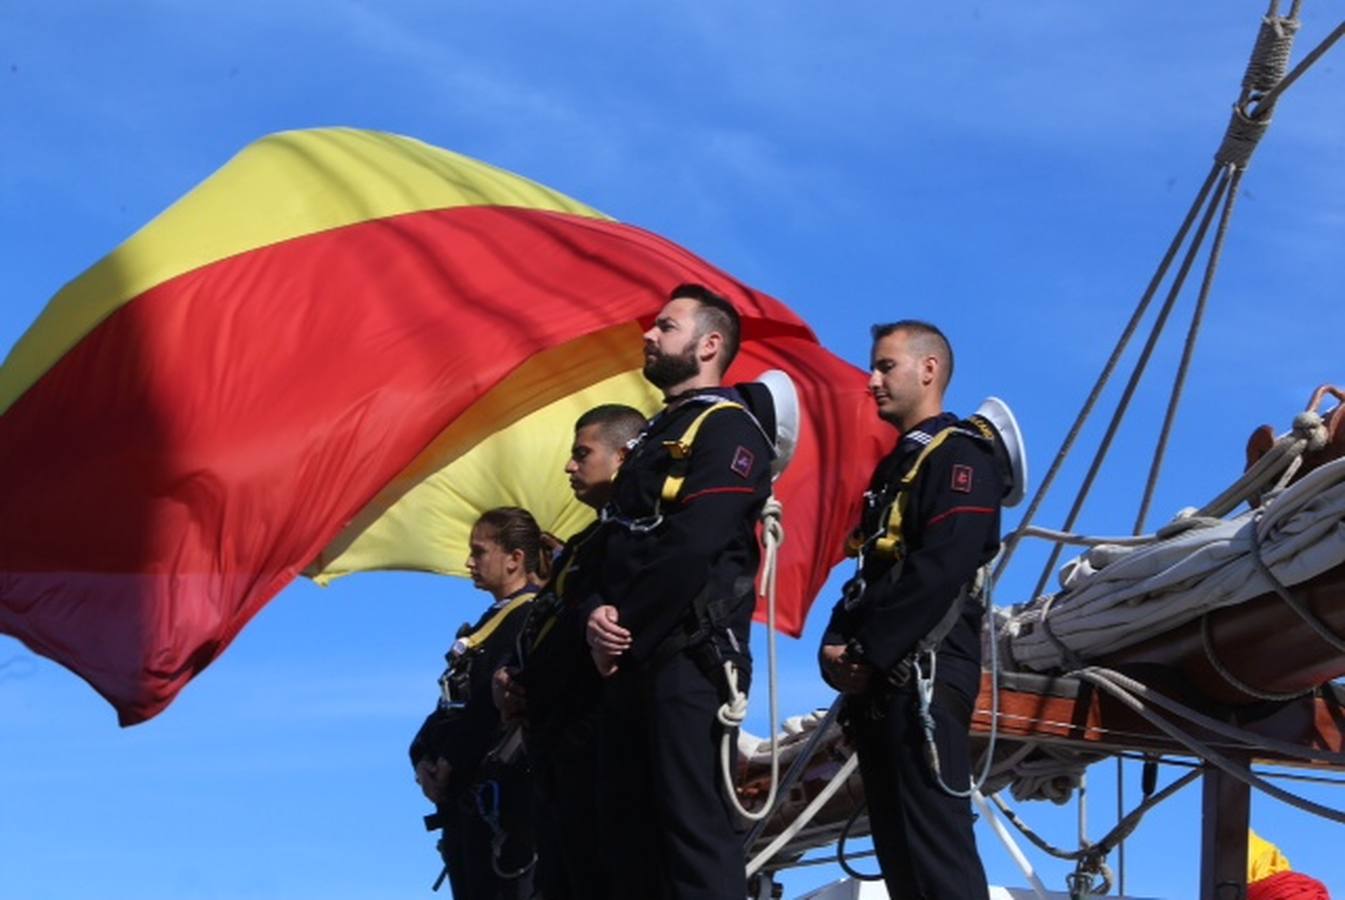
(559, 588)
(482, 634)
(890, 544)
(680, 449)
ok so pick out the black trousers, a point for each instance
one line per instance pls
(665, 823)
(469, 856)
(565, 783)
(923, 836)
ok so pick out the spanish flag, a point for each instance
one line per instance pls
(327, 358)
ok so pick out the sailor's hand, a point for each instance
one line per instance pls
(605, 634)
(432, 776)
(605, 662)
(606, 639)
(510, 697)
(849, 676)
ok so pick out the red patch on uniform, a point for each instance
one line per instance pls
(962, 479)
(742, 462)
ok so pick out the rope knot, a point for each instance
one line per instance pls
(1266, 68)
(733, 712)
(1309, 426)
(771, 519)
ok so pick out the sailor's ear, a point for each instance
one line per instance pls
(929, 369)
(711, 345)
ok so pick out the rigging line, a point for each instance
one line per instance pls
(1188, 351)
(1248, 739)
(1299, 606)
(1160, 760)
(1105, 376)
(842, 859)
(1269, 774)
(1298, 776)
(1123, 405)
(1125, 827)
(797, 767)
(1085, 540)
(824, 860)
(835, 784)
(1266, 104)
(1241, 773)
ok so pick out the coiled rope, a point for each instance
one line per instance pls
(733, 712)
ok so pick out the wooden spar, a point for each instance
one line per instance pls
(1063, 711)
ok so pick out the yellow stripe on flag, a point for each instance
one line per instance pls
(509, 449)
(281, 187)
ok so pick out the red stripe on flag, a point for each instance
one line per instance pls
(191, 455)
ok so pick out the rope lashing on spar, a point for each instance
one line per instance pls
(1267, 67)
(1291, 600)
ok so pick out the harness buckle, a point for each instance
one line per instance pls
(853, 591)
(642, 525)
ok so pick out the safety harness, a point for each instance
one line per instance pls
(709, 615)
(455, 683)
(545, 611)
(888, 542)
(455, 692)
(680, 451)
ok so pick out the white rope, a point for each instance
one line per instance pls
(811, 810)
(1116, 597)
(1282, 459)
(734, 711)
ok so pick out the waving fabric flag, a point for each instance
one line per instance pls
(330, 357)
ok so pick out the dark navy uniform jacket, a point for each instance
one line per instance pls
(951, 528)
(707, 538)
(464, 735)
(556, 669)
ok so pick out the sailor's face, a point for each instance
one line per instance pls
(489, 564)
(672, 347)
(894, 377)
(592, 466)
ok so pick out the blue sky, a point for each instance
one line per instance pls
(1012, 172)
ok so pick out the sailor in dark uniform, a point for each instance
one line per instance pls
(931, 522)
(464, 760)
(674, 603)
(550, 683)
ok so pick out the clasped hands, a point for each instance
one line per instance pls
(845, 674)
(606, 639)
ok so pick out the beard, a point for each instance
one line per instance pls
(666, 370)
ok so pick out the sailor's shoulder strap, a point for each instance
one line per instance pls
(681, 448)
(891, 542)
(482, 634)
(559, 582)
(972, 428)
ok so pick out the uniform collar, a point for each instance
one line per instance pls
(699, 395)
(924, 432)
(505, 601)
